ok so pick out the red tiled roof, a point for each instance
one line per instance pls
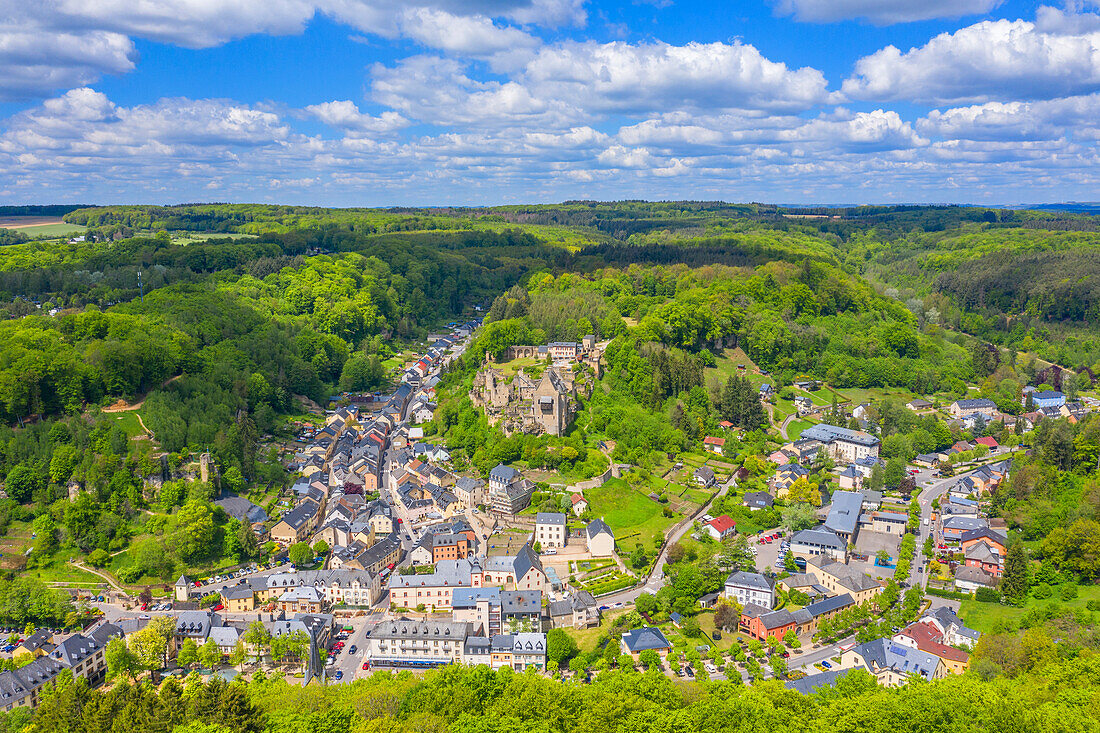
(928, 638)
(987, 441)
(723, 523)
(714, 441)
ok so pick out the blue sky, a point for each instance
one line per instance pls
(383, 102)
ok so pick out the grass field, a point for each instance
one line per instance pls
(988, 617)
(628, 512)
(795, 428)
(51, 231)
(128, 421)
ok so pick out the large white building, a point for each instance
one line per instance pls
(748, 588)
(843, 444)
(550, 529)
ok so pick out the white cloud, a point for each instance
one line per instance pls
(881, 12)
(622, 77)
(1073, 117)
(878, 130)
(33, 59)
(438, 91)
(992, 60)
(345, 115)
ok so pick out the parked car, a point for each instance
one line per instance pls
(352, 650)
(366, 665)
(826, 665)
(339, 675)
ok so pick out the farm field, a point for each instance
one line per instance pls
(49, 231)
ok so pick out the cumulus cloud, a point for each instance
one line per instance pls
(344, 114)
(991, 60)
(33, 59)
(881, 12)
(438, 91)
(623, 77)
(1008, 121)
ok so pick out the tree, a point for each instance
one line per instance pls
(300, 553)
(882, 558)
(247, 542)
(791, 639)
(650, 659)
(258, 638)
(789, 563)
(797, 517)
(895, 472)
(21, 482)
(645, 603)
(560, 646)
(120, 660)
(727, 614)
(805, 491)
(150, 645)
(1014, 581)
(195, 530)
(188, 655)
(209, 654)
(736, 553)
(320, 547)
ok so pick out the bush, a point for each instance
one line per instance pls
(1068, 591)
(988, 595)
(1042, 591)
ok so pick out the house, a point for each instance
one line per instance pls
(988, 441)
(872, 500)
(1040, 400)
(225, 638)
(808, 543)
(891, 663)
(420, 644)
(295, 525)
(599, 539)
(756, 500)
(550, 529)
(969, 579)
(86, 655)
(38, 644)
(953, 631)
(580, 504)
(704, 476)
(242, 509)
(886, 522)
(509, 492)
(843, 444)
(469, 491)
(849, 478)
(844, 512)
(841, 579)
(748, 588)
(714, 445)
(785, 476)
(918, 403)
(721, 527)
(522, 571)
(433, 590)
(966, 408)
(577, 610)
(927, 638)
(954, 527)
(239, 598)
(636, 641)
(22, 687)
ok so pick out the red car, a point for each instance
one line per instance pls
(366, 665)
(218, 607)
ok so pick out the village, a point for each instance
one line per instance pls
(423, 565)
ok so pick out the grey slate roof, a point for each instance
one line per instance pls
(844, 512)
(647, 637)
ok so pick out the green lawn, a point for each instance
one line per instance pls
(50, 231)
(128, 421)
(795, 428)
(986, 617)
(632, 515)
